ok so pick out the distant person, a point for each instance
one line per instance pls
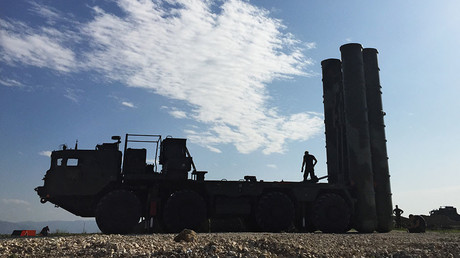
(398, 212)
(309, 162)
(45, 231)
(417, 224)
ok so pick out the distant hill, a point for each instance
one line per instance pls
(78, 226)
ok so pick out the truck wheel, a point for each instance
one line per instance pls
(184, 209)
(331, 214)
(275, 212)
(118, 212)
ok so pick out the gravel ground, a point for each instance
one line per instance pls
(394, 244)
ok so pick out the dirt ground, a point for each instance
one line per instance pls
(393, 244)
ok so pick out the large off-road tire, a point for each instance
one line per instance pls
(275, 212)
(184, 209)
(331, 214)
(118, 212)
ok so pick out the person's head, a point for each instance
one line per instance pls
(396, 206)
(306, 152)
(411, 216)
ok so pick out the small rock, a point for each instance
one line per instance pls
(186, 235)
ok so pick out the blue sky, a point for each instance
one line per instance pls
(240, 79)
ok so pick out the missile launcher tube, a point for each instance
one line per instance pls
(333, 120)
(380, 169)
(357, 137)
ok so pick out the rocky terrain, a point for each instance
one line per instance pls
(394, 244)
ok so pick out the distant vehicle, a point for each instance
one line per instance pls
(448, 211)
(123, 190)
(445, 217)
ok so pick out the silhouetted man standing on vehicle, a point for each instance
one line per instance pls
(309, 162)
(397, 212)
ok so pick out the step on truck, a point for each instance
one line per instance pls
(128, 191)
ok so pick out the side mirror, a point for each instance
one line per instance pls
(116, 138)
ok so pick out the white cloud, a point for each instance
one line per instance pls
(274, 166)
(45, 153)
(310, 45)
(123, 101)
(42, 48)
(128, 104)
(10, 83)
(178, 113)
(47, 12)
(213, 149)
(175, 112)
(15, 201)
(73, 94)
(218, 63)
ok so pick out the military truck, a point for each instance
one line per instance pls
(446, 217)
(448, 211)
(123, 190)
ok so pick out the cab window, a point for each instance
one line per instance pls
(71, 162)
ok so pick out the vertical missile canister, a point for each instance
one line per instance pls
(357, 137)
(333, 117)
(380, 168)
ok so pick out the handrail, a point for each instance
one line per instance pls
(145, 141)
